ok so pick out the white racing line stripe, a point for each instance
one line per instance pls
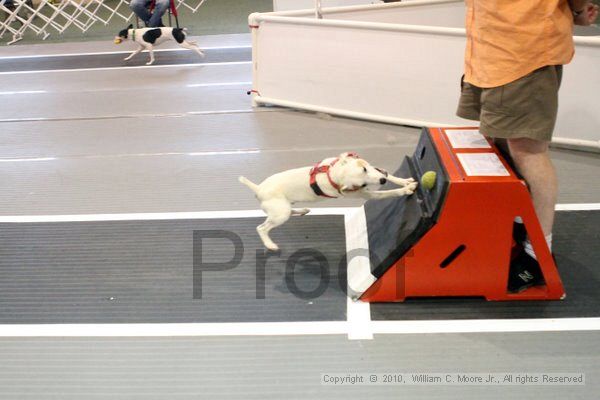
(162, 216)
(14, 92)
(487, 325)
(215, 64)
(114, 89)
(101, 156)
(299, 328)
(175, 153)
(578, 207)
(117, 52)
(122, 116)
(357, 326)
(346, 211)
(358, 313)
(176, 329)
(194, 85)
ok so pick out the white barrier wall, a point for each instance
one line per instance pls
(444, 13)
(381, 63)
(579, 101)
(285, 5)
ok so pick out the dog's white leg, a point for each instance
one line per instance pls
(139, 49)
(191, 46)
(151, 52)
(399, 181)
(300, 212)
(278, 212)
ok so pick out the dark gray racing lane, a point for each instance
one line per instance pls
(575, 245)
(114, 60)
(142, 271)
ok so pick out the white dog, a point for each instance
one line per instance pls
(147, 38)
(346, 175)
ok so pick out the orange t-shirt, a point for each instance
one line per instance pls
(507, 39)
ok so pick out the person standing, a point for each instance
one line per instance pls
(153, 19)
(513, 67)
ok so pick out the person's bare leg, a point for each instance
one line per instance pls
(532, 160)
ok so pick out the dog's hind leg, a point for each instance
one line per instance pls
(278, 212)
(300, 212)
(191, 46)
(138, 51)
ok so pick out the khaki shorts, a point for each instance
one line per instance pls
(526, 107)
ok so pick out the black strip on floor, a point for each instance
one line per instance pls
(143, 271)
(116, 60)
(576, 247)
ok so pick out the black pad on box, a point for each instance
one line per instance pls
(395, 225)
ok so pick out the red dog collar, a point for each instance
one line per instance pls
(324, 169)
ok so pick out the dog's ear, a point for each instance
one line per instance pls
(344, 157)
(130, 26)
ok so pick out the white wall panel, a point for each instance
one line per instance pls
(285, 5)
(579, 101)
(346, 71)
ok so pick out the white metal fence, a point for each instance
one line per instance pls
(45, 17)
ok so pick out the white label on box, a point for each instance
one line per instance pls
(482, 164)
(467, 139)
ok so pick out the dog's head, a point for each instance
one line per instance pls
(358, 174)
(123, 34)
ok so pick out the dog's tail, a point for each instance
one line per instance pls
(253, 186)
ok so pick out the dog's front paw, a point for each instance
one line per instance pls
(410, 188)
(127, 58)
(150, 62)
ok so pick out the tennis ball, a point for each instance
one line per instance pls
(428, 180)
